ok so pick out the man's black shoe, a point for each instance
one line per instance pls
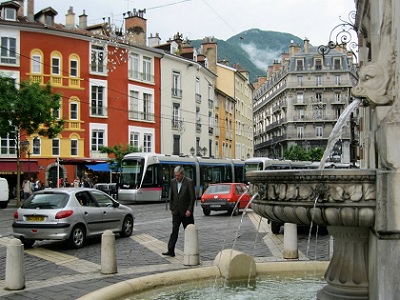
(169, 254)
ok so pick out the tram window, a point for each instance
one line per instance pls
(151, 178)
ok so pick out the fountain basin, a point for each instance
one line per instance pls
(345, 197)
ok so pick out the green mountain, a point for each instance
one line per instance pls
(254, 49)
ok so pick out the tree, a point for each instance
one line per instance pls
(299, 153)
(27, 110)
(118, 152)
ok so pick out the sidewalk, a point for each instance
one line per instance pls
(53, 271)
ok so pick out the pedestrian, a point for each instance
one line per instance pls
(27, 188)
(181, 204)
(77, 182)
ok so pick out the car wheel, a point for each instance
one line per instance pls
(127, 227)
(77, 237)
(206, 212)
(275, 227)
(27, 243)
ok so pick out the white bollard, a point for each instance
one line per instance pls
(290, 250)
(108, 253)
(15, 272)
(191, 255)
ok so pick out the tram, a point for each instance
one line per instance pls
(145, 177)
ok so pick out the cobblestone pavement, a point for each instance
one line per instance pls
(53, 271)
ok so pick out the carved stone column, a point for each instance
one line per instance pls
(347, 274)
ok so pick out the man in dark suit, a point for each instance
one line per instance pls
(181, 204)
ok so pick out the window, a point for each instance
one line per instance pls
(147, 66)
(176, 145)
(210, 92)
(338, 112)
(318, 64)
(36, 64)
(8, 144)
(36, 146)
(300, 98)
(97, 139)
(318, 113)
(319, 131)
(8, 50)
(176, 113)
(300, 132)
(299, 65)
(134, 66)
(338, 97)
(74, 147)
(134, 138)
(10, 14)
(73, 111)
(97, 100)
(176, 84)
(55, 65)
(133, 104)
(197, 90)
(336, 64)
(98, 55)
(147, 143)
(55, 147)
(318, 80)
(73, 68)
(318, 97)
(147, 107)
(299, 80)
(337, 79)
(300, 113)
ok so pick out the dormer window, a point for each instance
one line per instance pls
(10, 14)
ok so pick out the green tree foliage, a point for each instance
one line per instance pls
(28, 109)
(118, 152)
(299, 153)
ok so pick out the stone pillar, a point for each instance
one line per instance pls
(191, 255)
(15, 272)
(108, 253)
(347, 273)
(290, 250)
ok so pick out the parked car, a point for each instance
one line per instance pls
(4, 193)
(109, 188)
(71, 214)
(225, 196)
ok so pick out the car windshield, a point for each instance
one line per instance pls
(218, 189)
(46, 201)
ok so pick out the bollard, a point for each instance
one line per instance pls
(108, 253)
(290, 250)
(15, 273)
(191, 255)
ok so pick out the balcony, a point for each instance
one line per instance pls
(72, 125)
(198, 98)
(177, 124)
(177, 93)
(98, 111)
(139, 76)
(141, 116)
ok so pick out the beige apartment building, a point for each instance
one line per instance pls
(300, 101)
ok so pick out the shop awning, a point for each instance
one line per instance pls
(10, 167)
(103, 167)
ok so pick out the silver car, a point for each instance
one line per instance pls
(71, 214)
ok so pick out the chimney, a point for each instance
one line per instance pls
(306, 45)
(31, 10)
(70, 18)
(83, 20)
(154, 41)
(21, 12)
(293, 49)
(209, 49)
(136, 27)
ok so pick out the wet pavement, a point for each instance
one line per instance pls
(54, 271)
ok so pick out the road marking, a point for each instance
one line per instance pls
(157, 246)
(59, 258)
(274, 242)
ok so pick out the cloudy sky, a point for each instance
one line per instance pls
(222, 19)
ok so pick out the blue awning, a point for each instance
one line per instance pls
(103, 167)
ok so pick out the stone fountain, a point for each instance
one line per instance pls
(360, 207)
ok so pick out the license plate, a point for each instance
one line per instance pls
(35, 218)
(215, 205)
